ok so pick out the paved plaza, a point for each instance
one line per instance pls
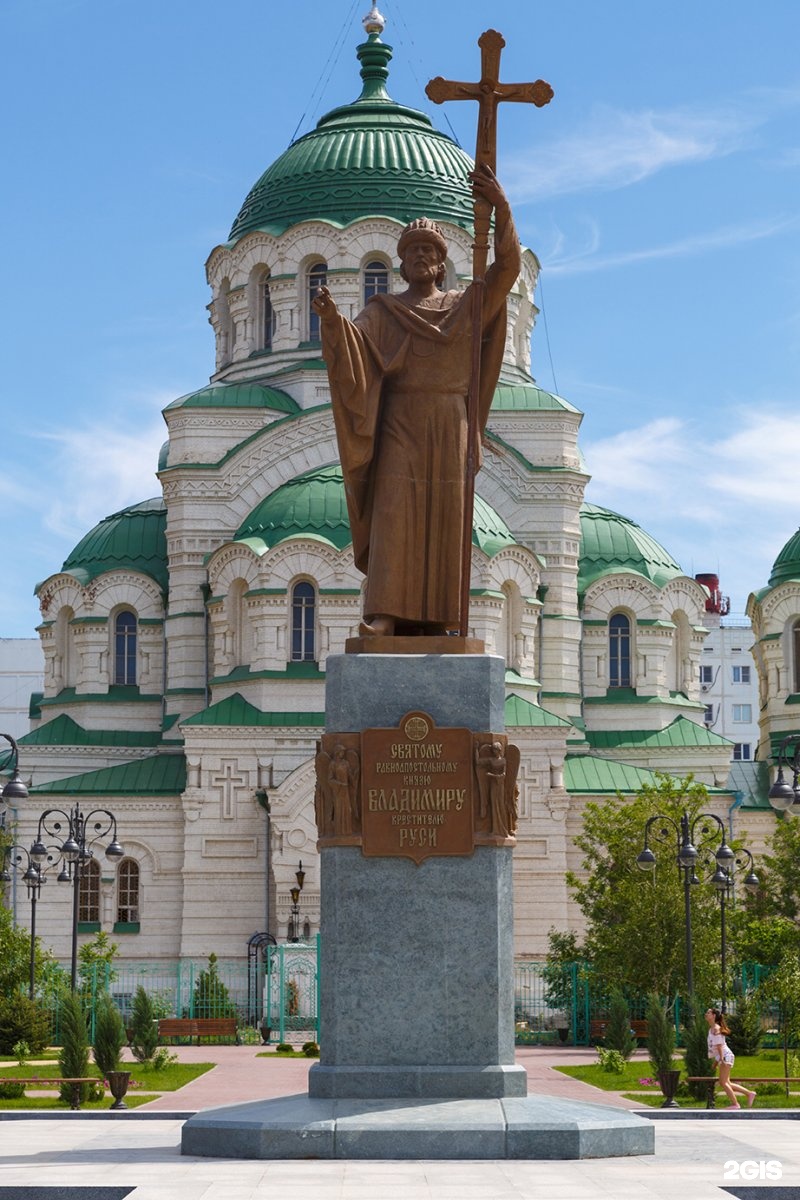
(65, 1156)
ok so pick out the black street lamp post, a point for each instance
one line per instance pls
(34, 877)
(15, 789)
(664, 830)
(82, 831)
(723, 880)
(294, 892)
(783, 796)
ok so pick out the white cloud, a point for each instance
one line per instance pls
(583, 259)
(103, 466)
(715, 503)
(616, 149)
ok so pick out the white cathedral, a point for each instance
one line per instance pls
(186, 637)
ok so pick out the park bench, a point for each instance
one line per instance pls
(712, 1080)
(598, 1027)
(197, 1027)
(40, 1081)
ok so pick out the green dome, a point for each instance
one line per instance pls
(237, 395)
(133, 539)
(611, 543)
(370, 158)
(313, 504)
(787, 564)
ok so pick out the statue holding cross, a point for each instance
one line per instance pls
(412, 380)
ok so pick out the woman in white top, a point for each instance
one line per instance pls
(722, 1055)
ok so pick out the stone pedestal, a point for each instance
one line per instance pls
(417, 988)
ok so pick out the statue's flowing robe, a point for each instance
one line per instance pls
(399, 380)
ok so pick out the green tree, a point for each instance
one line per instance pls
(144, 1030)
(635, 921)
(782, 988)
(618, 1034)
(95, 959)
(109, 1034)
(211, 998)
(15, 955)
(73, 1060)
(660, 1037)
(745, 1027)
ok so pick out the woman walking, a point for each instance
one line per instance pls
(721, 1053)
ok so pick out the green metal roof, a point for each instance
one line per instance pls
(133, 539)
(370, 158)
(237, 395)
(235, 710)
(160, 775)
(527, 397)
(314, 504)
(751, 783)
(63, 731)
(681, 732)
(519, 712)
(585, 773)
(787, 564)
(611, 543)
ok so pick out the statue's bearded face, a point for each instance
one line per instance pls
(422, 262)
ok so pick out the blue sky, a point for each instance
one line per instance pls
(659, 190)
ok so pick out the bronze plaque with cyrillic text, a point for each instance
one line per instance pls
(416, 790)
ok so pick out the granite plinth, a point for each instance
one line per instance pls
(526, 1128)
(364, 691)
(416, 977)
(414, 645)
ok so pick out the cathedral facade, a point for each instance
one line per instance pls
(186, 637)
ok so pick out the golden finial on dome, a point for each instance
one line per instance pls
(374, 22)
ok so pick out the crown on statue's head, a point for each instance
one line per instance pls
(423, 230)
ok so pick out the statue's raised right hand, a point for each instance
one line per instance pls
(324, 304)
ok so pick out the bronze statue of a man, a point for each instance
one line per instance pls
(399, 376)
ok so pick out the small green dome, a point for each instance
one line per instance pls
(313, 504)
(133, 539)
(370, 158)
(611, 543)
(787, 564)
(237, 395)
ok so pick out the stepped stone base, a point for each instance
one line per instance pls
(532, 1127)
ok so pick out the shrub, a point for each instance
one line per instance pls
(12, 1091)
(162, 1058)
(311, 1049)
(73, 1060)
(660, 1037)
(22, 1052)
(23, 1020)
(611, 1060)
(144, 1031)
(745, 1027)
(109, 1035)
(696, 1041)
(211, 998)
(618, 1034)
(284, 1048)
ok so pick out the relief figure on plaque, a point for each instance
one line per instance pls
(399, 376)
(496, 767)
(343, 774)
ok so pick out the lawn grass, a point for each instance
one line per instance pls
(132, 1100)
(146, 1083)
(285, 1054)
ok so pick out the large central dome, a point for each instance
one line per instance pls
(370, 158)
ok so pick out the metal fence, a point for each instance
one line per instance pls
(278, 994)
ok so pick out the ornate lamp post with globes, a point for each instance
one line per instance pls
(723, 880)
(664, 830)
(15, 789)
(34, 877)
(783, 796)
(82, 831)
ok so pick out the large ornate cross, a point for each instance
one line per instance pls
(488, 92)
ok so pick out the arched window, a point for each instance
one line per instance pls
(125, 648)
(89, 893)
(65, 658)
(303, 616)
(796, 655)
(317, 278)
(267, 316)
(128, 892)
(376, 279)
(619, 651)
